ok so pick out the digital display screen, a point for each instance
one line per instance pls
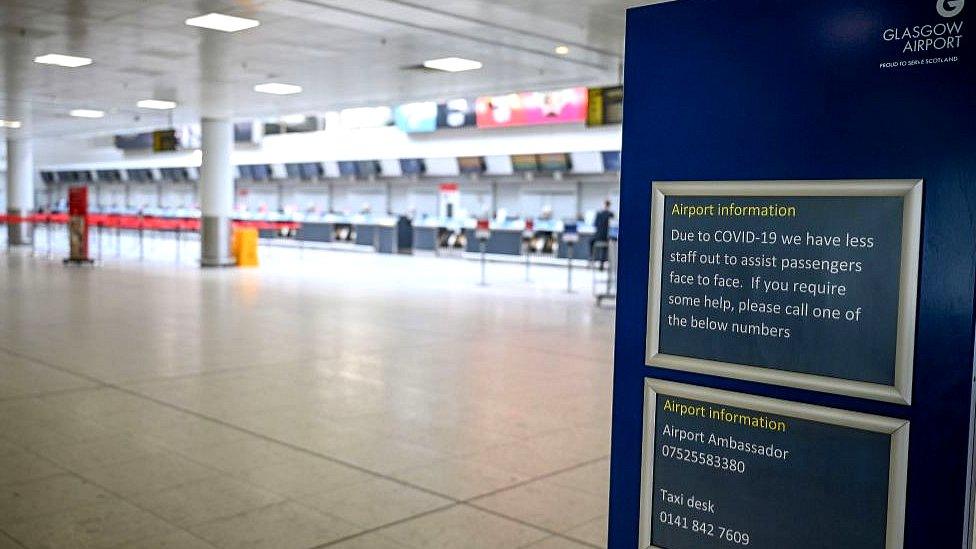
(558, 162)
(310, 170)
(134, 141)
(108, 175)
(244, 132)
(294, 171)
(412, 166)
(471, 164)
(532, 108)
(606, 106)
(175, 174)
(348, 168)
(457, 113)
(525, 162)
(261, 172)
(367, 168)
(416, 117)
(140, 175)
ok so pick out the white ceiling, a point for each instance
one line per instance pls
(343, 52)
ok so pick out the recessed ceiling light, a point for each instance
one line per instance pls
(12, 124)
(562, 50)
(86, 113)
(277, 88)
(221, 22)
(453, 64)
(62, 60)
(293, 118)
(158, 104)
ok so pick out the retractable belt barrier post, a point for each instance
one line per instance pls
(527, 233)
(47, 229)
(482, 232)
(570, 238)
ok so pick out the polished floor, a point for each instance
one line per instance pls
(326, 399)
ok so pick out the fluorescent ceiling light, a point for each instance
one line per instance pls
(12, 124)
(293, 118)
(221, 22)
(277, 88)
(562, 50)
(453, 64)
(86, 113)
(158, 104)
(62, 60)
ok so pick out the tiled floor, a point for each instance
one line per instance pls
(327, 399)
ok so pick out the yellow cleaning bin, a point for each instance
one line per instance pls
(244, 246)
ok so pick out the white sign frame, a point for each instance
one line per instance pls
(897, 428)
(910, 190)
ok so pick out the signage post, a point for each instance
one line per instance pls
(527, 234)
(482, 232)
(570, 238)
(794, 347)
(47, 229)
(78, 226)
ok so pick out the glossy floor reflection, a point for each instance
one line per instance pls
(327, 399)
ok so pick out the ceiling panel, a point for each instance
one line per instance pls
(343, 52)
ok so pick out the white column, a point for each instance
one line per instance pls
(20, 189)
(216, 192)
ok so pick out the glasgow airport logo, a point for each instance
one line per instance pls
(937, 42)
(950, 8)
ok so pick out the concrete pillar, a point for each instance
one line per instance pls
(20, 189)
(216, 192)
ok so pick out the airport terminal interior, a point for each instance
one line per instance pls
(308, 273)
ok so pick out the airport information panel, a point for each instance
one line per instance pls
(807, 284)
(732, 476)
(769, 281)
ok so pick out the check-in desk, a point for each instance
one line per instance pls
(425, 237)
(378, 232)
(317, 231)
(506, 241)
(321, 227)
(428, 232)
(581, 249)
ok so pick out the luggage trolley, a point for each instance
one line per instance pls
(605, 282)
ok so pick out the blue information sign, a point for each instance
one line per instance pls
(777, 95)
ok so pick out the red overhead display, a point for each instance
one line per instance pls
(532, 108)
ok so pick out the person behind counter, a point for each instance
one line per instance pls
(601, 238)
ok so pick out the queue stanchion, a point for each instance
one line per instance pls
(48, 217)
(118, 236)
(570, 238)
(482, 232)
(179, 239)
(142, 231)
(527, 233)
(5, 220)
(36, 220)
(99, 223)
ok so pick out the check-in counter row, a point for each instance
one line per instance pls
(389, 235)
(385, 236)
(502, 241)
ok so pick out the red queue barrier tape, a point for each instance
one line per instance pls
(144, 222)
